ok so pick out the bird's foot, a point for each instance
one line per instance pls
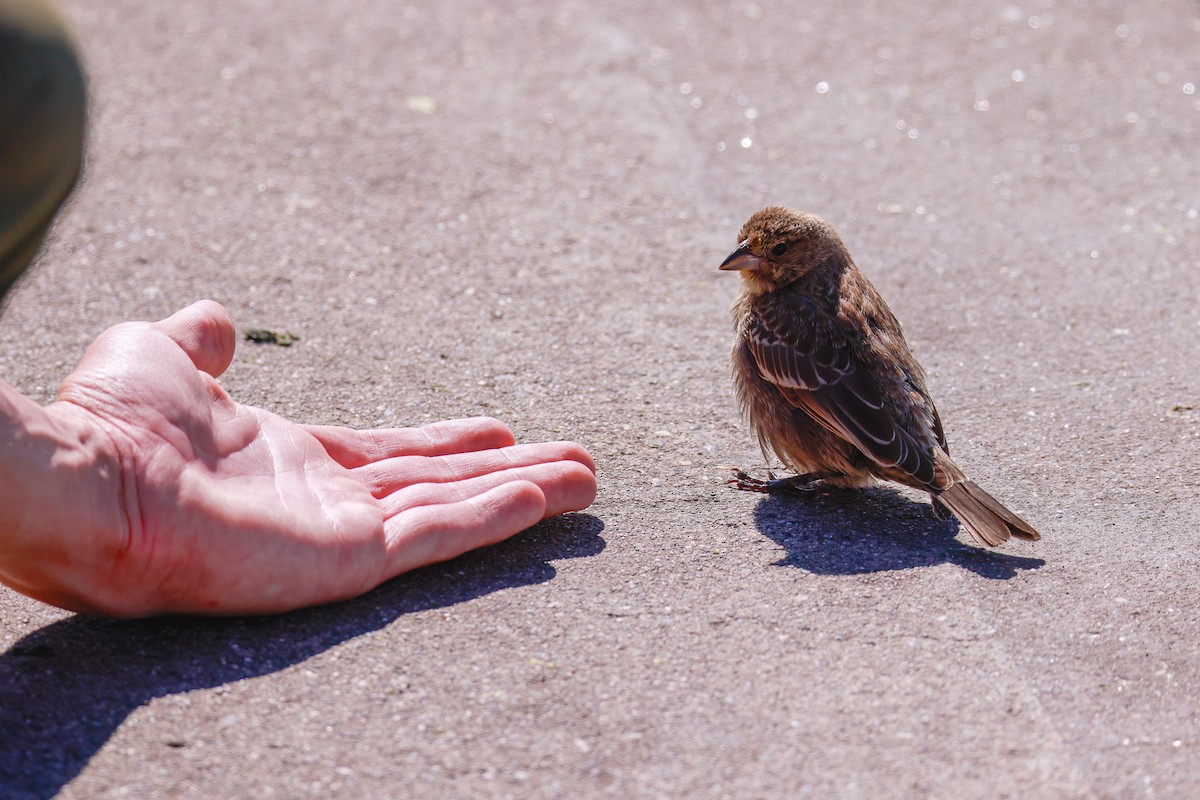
(794, 484)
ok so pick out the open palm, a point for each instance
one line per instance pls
(217, 507)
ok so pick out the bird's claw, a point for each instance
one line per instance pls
(745, 482)
(796, 484)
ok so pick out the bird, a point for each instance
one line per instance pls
(827, 381)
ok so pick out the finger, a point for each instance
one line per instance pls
(352, 448)
(566, 485)
(385, 477)
(430, 534)
(204, 331)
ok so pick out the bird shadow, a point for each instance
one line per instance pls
(833, 531)
(67, 687)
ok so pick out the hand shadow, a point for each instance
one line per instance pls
(833, 531)
(66, 688)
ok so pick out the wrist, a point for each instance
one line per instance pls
(60, 485)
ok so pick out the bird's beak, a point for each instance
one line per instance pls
(742, 259)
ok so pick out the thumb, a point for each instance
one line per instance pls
(204, 331)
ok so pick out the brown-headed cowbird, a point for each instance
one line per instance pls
(827, 381)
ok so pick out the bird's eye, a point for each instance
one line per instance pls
(779, 249)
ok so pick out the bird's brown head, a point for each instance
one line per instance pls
(780, 245)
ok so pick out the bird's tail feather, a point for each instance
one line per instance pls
(984, 516)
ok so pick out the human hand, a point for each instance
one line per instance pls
(145, 489)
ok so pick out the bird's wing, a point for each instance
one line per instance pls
(803, 350)
(937, 425)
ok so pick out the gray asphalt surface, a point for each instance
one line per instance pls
(518, 210)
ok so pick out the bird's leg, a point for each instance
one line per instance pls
(939, 508)
(796, 484)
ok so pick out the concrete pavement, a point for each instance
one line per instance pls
(518, 210)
